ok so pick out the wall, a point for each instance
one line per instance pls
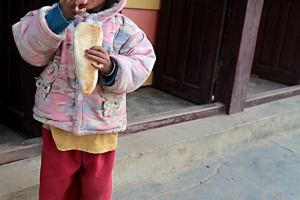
(145, 13)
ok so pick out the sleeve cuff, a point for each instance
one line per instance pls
(56, 21)
(109, 80)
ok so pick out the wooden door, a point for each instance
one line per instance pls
(17, 77)
(278, 45)
(188, 47)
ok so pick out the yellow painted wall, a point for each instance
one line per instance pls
(132, 8)
(144, 4)
(149, 81)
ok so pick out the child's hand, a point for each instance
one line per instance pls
(101, 58)
(70, 8)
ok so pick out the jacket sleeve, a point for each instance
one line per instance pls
(135, 63)
(35, 41)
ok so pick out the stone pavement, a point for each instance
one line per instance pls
(267, 170)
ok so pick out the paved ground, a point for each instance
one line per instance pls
(268, 170)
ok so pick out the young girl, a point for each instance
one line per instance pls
(80, 131)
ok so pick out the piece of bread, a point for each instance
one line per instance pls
(86, 36)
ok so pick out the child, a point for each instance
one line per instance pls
(80, 131)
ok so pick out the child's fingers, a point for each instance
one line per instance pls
(97, 57)
(100, 49)
(70, 8)
(79, 11)
(98, 66)
(101, 60)
(99, 52)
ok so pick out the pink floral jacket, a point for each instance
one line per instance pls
(59, 100)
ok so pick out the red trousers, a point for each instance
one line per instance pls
(74, 175)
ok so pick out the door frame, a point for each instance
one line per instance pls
(237, 55)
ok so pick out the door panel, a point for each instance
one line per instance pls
(278, 45)
(17, 79)
(188, 47)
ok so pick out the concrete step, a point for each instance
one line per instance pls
(268, 169)
(149, 154)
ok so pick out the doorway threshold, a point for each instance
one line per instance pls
(262, 91)
(272, 95)
(150, 108)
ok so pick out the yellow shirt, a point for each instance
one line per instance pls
(96, 143)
